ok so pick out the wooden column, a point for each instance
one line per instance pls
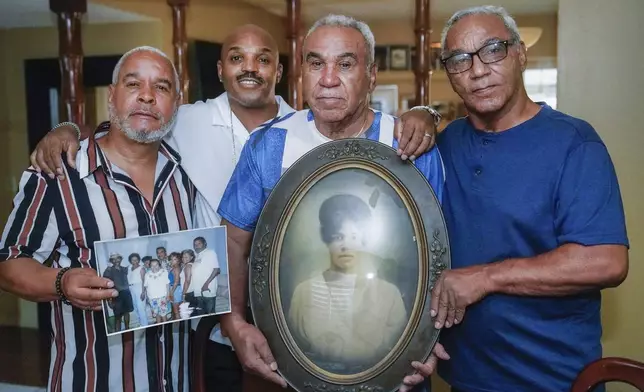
(180, 45)
(295, 54)
(422, 67)
(70, 50)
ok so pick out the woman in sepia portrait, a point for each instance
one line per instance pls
(346, 314)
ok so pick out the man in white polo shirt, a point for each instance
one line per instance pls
(212, 135)
(204, 276)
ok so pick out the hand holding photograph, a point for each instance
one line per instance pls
(156, 287)
(344, 257)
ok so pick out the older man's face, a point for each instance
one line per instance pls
(485, 88)
(144, 100)
(336, 78)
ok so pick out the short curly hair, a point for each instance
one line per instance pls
(337, 209)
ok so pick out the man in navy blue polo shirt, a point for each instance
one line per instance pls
(535, 220)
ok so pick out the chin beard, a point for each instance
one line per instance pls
(143, 136)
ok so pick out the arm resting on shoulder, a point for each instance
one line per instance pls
(566, 270)
(47, 156)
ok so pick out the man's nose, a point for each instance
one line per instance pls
(249, 65)
(329, 77)
(146, 96)
(479, 68)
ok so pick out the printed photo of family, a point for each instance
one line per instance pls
(164, 278)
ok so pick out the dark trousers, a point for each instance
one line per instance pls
(206, 305)
(191, 299)
(222, 370)
(224, 373)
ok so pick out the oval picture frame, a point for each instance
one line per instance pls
(317, 350)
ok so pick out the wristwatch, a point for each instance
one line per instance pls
(71, 124)
(437, 116)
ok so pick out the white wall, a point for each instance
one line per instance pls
(601, 79)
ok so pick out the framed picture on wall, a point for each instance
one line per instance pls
(382, 57)
(413, 58)
(400, 57)
(407, 102)
(385, 99)
(435, 56)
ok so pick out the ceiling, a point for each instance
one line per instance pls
(36, 13)
(372, 10)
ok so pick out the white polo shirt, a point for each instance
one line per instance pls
(202, 268)
(203, 135)
(210, 144)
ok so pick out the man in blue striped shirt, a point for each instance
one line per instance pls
(338, 75)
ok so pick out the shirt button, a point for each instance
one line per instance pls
(161, 339)
(478, 172)
(486, 142)
(165, 383)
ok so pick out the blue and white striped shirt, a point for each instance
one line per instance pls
(273, 149)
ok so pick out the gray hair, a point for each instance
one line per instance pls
(347, 21)
(117, 68)
(499, 12)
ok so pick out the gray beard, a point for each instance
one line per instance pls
(142, 136)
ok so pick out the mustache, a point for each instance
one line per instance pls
(252, 76)
(145, 112)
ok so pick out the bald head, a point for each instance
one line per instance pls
(249, 66)
(249, 33)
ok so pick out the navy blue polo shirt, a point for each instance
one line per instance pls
(520, 193)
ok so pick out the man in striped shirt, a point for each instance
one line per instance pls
(127, 183)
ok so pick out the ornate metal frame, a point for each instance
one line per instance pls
(419, 336)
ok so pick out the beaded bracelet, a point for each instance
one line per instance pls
(59, 289)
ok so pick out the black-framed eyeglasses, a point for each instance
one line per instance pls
(488, 54)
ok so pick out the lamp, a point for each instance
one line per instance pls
(530, 35)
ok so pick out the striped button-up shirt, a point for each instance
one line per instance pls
(99, 201)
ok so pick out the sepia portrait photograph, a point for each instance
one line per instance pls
(348, 271)
(164, 278)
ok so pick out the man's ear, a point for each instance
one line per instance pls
(220, 70)
(523, 56)
(280, 70)
(110, 93)
(373, 72)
